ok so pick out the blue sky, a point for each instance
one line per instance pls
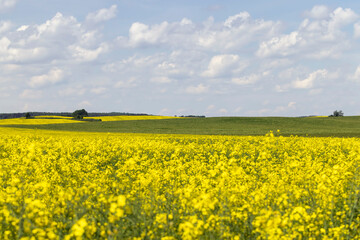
(213, 58)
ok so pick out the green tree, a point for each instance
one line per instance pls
(80, 114)
(27, 115)
(337, 114)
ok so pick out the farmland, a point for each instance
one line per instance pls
(245, 126)
(92, 183)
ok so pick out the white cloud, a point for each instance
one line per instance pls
(341, 17)
(85, 55)
(128, 83)
(318, 12)
(316, 91)
(61, 38)
(31, 94)
(55, 75)
(281, 45)
(210, 107)
(169, 68)
(356, 75)
(223, 111)
(318, 38)
(236, 32)
(84, 103)
(222, 65)
(237, 20)
(59, 28)
(162, 79)
(238, 109)
(357, 30)
(5, 4)
(177, 67)
(98, 90)
(292, 105)
(5, 26)
(10, 67)
(281, 88)
(72, 91)
(101, 15)
(22, 28)
(140, 33)
(200, 88)
(279, 109)
(246, 79)
(309, 81)
(10, 54)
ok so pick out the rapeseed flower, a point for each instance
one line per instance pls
(66, 185)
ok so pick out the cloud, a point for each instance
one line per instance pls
(84, 103)
(61, 38)
(223, 65)
(55, 75)
(140, 34)
(318, 12)
(72, 91)
(309, 81)
(5, 26)
(318, 38)
(102, 15)
(356, 75)
(6, 4)
(162, 79)
(98, 90)
(210, 107)
(31, 94)
(128, 83)
(9, 54)
(223, 111)
(237, 20)
(232, 34)
(250, 79)
(357, 30)
(200, 88)
(290, 106)
(279, 109)
(86, 55)
(315, 91)
(177, 67)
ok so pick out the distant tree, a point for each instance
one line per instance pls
(337, 114)
(27, 115)
(80, 114)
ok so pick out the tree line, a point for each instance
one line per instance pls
(66, 114)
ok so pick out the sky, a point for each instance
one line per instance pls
(161, 57)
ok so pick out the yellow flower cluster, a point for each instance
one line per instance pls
(61, 119)
(36, 121)
(65, 185)
(128, 118)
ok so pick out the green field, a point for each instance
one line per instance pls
(308, 126)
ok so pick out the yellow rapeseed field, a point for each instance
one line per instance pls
(129, 118)
(37, 120)
(66, 185)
